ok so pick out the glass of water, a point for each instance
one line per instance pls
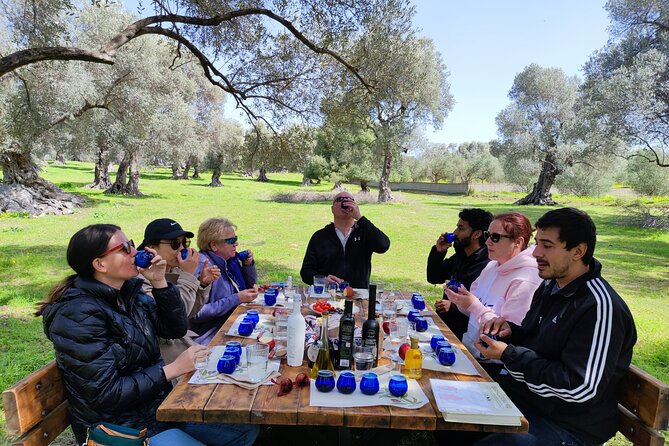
(256, 361)
(363, 357)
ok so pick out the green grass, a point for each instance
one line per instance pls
(32, 252)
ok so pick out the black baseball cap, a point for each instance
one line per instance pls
(163, 229)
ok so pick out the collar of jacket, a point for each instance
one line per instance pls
(99, 290)
(576, 284)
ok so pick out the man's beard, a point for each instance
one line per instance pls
(462, 244)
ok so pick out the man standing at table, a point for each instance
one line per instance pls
(465, 265)
(574, 345)
(343, 249)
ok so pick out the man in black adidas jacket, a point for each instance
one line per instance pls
(343, 249)
(565, 361)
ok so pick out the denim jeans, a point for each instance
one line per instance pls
(210, 434)
(542, 433)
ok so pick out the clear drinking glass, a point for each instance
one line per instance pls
(363, 357)
(320, 284)
(256, 361)
(201, 359)
(281, 320)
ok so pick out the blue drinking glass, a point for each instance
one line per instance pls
(250, 321)
(226, 364)
(413, 314)
(234, 344)
(436, 338)
(243, 255)
(415, 296)
(143, 258)
(184, 253)
(270, 296)
(449, 237)
(346, 382)
(421, 324)
(234, 351)
(254, 315)
(398, 385)
(369, 384)
(325, 381)
(342, 285)
(446, 356)
(245, 328)
(440, 345)
(454, 285)
(419, 303)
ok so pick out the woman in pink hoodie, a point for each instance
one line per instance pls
(506, 285)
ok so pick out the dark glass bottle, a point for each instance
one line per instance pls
(370, 329)
(346, 332)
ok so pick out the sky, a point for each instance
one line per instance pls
(485, 43)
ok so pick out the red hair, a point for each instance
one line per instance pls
(516, 225)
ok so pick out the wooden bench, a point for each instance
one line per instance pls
(36, 407)
(643, 406)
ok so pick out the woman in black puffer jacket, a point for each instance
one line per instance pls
(105, 332)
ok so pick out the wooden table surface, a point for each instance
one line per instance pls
(228, 403)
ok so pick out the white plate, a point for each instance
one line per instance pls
(339, 304)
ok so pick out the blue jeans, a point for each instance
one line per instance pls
(210, 434)
(542, 433)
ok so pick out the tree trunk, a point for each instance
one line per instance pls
(216, 177)
(22, 190)
(262, 175)
(306, 181)
(337, 185)
(118, 187)
(196, 171)
(364, 186)
(132, 188)
(184, 174)
(102, 180)
(384, 189)
(541, 191)
(175, 171)
(60, 159)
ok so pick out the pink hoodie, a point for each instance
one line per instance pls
(502, 291)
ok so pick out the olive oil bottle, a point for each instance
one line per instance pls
(413, 361)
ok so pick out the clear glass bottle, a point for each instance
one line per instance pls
(323, 361)
(413, 361)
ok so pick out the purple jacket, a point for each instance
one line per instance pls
(223, 297)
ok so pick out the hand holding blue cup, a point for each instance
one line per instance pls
(453, 285)
(143, 258)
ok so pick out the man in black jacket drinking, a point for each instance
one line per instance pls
(465, 265)
(343, 249)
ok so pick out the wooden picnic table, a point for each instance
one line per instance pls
(227, 403)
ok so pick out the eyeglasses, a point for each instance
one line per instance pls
(343, 199)
(495, 237)
(175, 244)
(231, 240)
(126, 246)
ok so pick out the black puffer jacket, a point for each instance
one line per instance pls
(109, 355)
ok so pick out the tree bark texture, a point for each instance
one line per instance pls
(102, 180)
(184, 174)
(384, 189)
(262, 175)
(541, 192)
(118, 187)
(364, 186)
(216, 177)
(23, 190)
(196, 171)
(337, 185)
(175, 171)
(132, 187)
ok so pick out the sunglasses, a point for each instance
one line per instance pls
(494, 236)
(231, 240)
(343, 199)
(125, 246)
(175, 244)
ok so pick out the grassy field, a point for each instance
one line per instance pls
(32, 253)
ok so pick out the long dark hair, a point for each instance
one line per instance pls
(86, 245)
